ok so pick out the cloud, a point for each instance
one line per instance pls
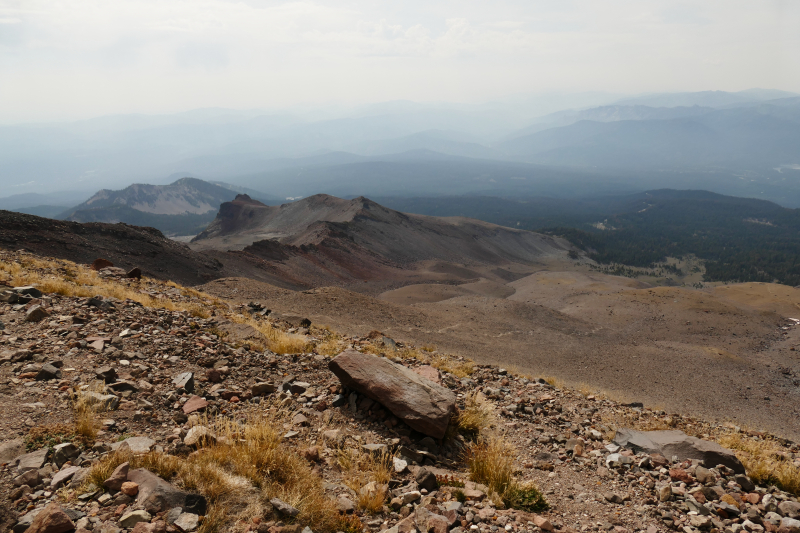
(95, 56)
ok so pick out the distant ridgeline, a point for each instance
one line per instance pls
(740, 239)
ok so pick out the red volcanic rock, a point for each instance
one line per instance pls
(422, 404)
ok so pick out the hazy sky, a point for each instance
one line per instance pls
(81, 58)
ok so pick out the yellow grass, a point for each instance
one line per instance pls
(764, 462)
(445, 363)
(85, 411)
(491, 462)
(276, 339)
(477, 415)
(555, 382)
(239, 473)
(332, 345)
(70, 279)
(368, 475)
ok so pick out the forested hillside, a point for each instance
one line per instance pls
(740, 239)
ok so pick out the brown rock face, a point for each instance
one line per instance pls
(422, 404)
(52, 519)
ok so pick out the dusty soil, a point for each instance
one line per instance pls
(724, 353)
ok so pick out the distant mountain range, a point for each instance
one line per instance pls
(743, 143)
(183, 207)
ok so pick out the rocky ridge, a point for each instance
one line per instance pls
(167, 373)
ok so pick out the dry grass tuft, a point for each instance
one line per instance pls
(446, 363)
(239, 474)
(764, 462)
(491, 462)
(49, 435)
(276, 339)
(85, 412)
(368, 474)
(478, 415)
(555, 382)
(71, 279)
(332, 345)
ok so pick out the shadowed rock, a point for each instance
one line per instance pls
(422, 404)
(677, 443)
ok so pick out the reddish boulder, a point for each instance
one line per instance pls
(51, 519)
(420, 403)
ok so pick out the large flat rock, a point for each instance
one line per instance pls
(677, 443)
(420, 403)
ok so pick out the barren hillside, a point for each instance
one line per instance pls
(323, 240)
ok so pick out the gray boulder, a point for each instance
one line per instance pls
(420, 403)
(677, 443)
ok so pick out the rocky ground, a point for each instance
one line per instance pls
(166, 378)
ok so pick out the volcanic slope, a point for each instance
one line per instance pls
(725, 354)
(324, 240)
(125, 246)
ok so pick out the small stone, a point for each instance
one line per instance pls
(187, 522)
(65, 452)
(427, 480)
(130, 488)
(284, 508)
(345, 505)
(131, 519)
(184, 381)
(134, 273)
(412, 496)
(173, 515)
(30, 478)
(542, 523)
(33, 460)
(745, 483)
(299, 387)
(400, 465)
(36, 313)
(48, 372)
(261, 389)
(199, 435)
(136, 445)
(64, 475)
(107, 374)
(193, 404)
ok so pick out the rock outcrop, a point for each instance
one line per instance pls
(677, 443)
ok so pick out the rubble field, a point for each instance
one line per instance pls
(132, 404)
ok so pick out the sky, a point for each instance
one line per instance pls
(84, 58)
